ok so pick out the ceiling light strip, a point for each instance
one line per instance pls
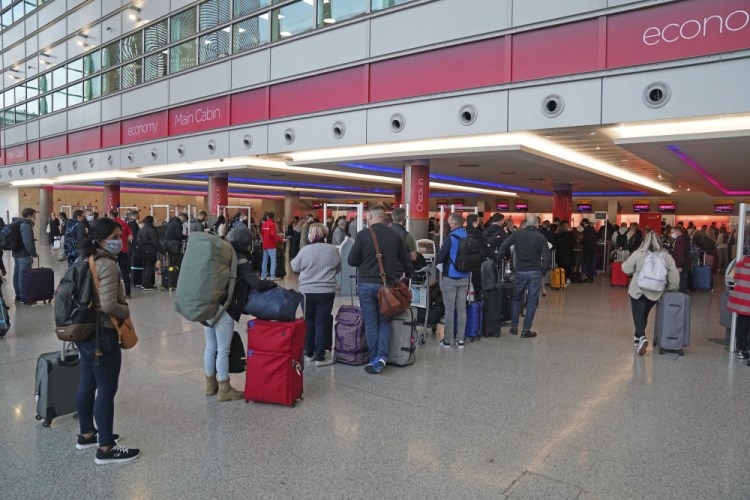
(697, 168)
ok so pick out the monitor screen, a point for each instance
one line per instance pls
(724, 209)
(503, 206)
(667, 208)
(641, 207)
(317, 205)
(584, 207)
(522, 207)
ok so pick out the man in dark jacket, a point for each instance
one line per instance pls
(533, 260)
(75, 232)
(494, 236)
(473, 231)
(198, 225)
(681, 255)
(363, 257)
(173, 239)
(589, 248)
(24, 255)
(148, 245)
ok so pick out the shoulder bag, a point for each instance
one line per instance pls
(392, 300)
(125, 328)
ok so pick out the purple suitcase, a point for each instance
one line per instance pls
(351, 343)
(38, 284)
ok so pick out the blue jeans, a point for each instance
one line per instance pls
(218, 340)
(523, 281)
(99, 381)
(268, 254)
(377, 326)
(22, 264)
(318, 307)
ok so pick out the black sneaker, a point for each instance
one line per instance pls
(149, 288)
(528, 334)
(443, 343)
(87, 442)
(116, 455)
(460, 344)
(513, 330)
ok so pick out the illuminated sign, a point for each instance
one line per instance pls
(641, 206)
(584, 206)
(666, 206)
(724, 206)
(502, 205)
(521, 206)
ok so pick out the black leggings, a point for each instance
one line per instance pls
(743, 332)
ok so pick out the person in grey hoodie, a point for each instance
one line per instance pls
(318, 263)
(24, 255)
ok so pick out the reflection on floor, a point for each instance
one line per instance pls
(570, 414)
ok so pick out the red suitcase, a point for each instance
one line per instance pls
(274, 361)
(617, 277)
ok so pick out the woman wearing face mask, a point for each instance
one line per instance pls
(101, 356)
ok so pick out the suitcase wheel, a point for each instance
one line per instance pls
(46, 423)
(422, 339)
(681, 352)
(661, 351)
(38, 417)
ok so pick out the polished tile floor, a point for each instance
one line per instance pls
(570, 414)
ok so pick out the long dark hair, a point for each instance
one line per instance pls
(100, 229)
(148, 221)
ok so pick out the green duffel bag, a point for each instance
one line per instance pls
(206, 285)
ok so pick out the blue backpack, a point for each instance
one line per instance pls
(71, 240)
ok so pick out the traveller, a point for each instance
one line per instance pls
(330, 226)
(219, 226)
(454, 284)
(304, 231)
(473, 231)
(641, 300)
(363, 256)
(399, 219)
(494, 236)
(564, 251)
(270, 237)
(620, 237)
(738, 303)
(317, 265)
(148, 245)
(75, 231)
(589, 248)
(219, 337)
(100, 354)
(722, 249)
(681, 255)
(339, 234)
(532, 261)
(547, 233)
(555, 225)
(88, 218)
(351, 227)
(53, 228)
(198, 225)
(290, 237)
(123, 259)
(25, 253)
(173, 238)
(297, 238)
(132, 218)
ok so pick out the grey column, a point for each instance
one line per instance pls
(46, 206)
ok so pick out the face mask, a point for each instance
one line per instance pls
(675, 236)
(90, 218)
(113, 246)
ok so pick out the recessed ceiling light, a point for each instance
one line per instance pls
(592, 133)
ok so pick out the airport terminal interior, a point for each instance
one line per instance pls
(609, 112)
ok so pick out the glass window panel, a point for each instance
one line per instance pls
(131, 46)
(111, 81)
(7, 21)
(292, 19)
(10, 98)
(75, 70)
(21, 113)
(59, 100)
(59, 77)
(45, 105)
(110, 55)
(92, 63)
(20, 93)
(32, 88)
(32, 109)
(75, 94)
(242, 7)
(92, 88)
(18, 12)
(251, 33)
(155, 36)
(132, 74)
(182, 56)
(45, 83)
(337, 10)
(213, 12)
(214, 45)
(9, 117)
(155, 66)
(384, 4)
(182, 25)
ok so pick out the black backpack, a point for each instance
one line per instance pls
(10, 237)
(75, 311)
(71, 239)
(469, 254)
(622, 241)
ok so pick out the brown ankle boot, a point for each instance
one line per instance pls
(227, 392)
(212, 386)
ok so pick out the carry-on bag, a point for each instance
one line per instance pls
(38, 284)
(274, 361)
(506, 300)
(136, 270)
(403, 346)
(275, 304)
(672, 327)
(617, 277)
(237, 354)
(57, 380)
(703, 275)
(557, 278)
(491, 313)
(4, 316)
(350, 342)
(473, 330)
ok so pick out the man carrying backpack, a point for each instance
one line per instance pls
(454, 283)
(24, 250)
(533, 260)
(494, 236)
(75, 231)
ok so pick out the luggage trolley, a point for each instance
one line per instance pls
(419, 284)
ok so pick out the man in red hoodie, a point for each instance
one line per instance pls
(269, 236)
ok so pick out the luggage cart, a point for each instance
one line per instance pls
(420, 297)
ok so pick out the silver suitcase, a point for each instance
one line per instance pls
(402, 350)
(57, 378)
(672, 328)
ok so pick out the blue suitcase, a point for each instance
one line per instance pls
(473, 329)
(703, 278)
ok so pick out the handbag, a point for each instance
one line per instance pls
(125, 329)
(392, 300)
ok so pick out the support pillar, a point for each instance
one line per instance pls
(398, 197)
(562, 201)
(291, 207)
(46, 207)
(218, 193)
(111, 196)
(415, 190)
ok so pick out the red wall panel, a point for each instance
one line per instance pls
(33, 151)
(54, 146)
(454, 68)
(15, 154)
(111, 135)
(84, 140)
(205, 115)
(334, 90)
(250, 106)
(144, 128)
(560, 50)
(678, 30)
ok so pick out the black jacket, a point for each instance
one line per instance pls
(493, 236)
(173, 236)
(589, 239)
(531, 250)
(134, 228)
(148, 237)
(362, 255)
(247, 279)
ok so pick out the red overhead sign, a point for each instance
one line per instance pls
(15, 154)
(198, 117)
(419, 196)
(144, 128)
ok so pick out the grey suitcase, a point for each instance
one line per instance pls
(57, 380)
(672, 328)
(402, 350)
(725, 315)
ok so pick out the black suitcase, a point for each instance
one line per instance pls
(38, 284)
(136, 271)
(280, 261)
(506, 300)
(57, 380)
(170, 274)
(492, 313)
(4, 317)
(237, 355)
